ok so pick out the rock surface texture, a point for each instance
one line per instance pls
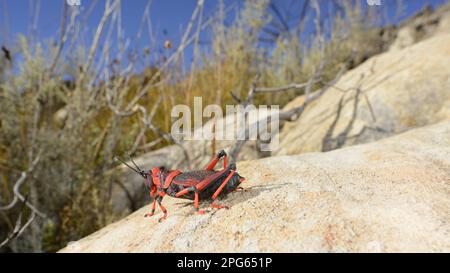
(388, 94)
(387, 196)
(424, 24)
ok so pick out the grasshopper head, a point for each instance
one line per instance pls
(153, 177)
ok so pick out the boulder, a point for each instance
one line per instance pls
(425, 24)
(387, 196)
(388, 94)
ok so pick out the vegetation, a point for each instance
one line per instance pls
(68, 107)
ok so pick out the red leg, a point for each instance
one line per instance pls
(225, 161)
(220, 190)
(196, 204)
(216, 159)
(200, 186)
(197, 188)
(163, 210)
(185, 191)
(212, 164)
(153, 209)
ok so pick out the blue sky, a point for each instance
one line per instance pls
(169, 17)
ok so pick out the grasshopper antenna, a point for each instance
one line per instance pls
(137, 167)
(126, 164)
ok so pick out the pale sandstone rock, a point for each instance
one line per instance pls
(423, 25)
(388, 196)
(400, 90)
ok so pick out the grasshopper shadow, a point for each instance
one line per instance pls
(234, 198)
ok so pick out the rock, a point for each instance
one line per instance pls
(423, 25)
(390, 93)
(405, 37)
(444, 23)
(387, 196)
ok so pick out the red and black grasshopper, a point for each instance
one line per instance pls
(194, 185)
